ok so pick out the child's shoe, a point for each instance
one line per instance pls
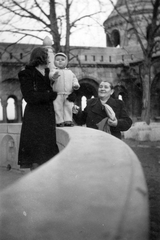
(60, 124)
(69, 124)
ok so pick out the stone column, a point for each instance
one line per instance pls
(19, 110)
(47, 43)
(1, 73)
(4, 106)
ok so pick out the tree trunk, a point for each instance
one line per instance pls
(67, 28)
(54, 26)
(146, 76)
(146, 99)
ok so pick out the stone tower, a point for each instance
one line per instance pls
(118, 31)
(121, 35)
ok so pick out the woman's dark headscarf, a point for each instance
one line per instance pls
(39, 56)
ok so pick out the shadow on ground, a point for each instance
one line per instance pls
(149, 156)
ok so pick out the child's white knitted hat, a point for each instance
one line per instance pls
(60, 54)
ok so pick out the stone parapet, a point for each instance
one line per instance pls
(93, 189)
(141, 131)
(9, 144)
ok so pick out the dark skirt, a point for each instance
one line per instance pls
(38, 135)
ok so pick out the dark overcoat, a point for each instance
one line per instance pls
(38, 134)
(95, 112)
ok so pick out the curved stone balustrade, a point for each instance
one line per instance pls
(93, 189)
(9, 144)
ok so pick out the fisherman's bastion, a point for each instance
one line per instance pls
(119, 63)
(95, 187)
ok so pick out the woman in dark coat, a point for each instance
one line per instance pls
(38, 134)
(105, 113)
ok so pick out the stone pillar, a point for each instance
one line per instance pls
(4, 106)
(0, 73)
(19, 110)
(47, 43)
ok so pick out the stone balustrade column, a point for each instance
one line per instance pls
(1, 78)
(47, 43)
(4, 107)
(19, 110)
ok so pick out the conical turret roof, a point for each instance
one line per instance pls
(123, 2)
(138, 6)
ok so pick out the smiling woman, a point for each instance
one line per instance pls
(105, 113)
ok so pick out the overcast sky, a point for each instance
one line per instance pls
(92, 36)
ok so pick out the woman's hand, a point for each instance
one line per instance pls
(113, 123)
(75, 109)
(53, 95)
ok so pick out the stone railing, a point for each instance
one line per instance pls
(93, 189)
(9, 144)
(86, 55)
(141, 131)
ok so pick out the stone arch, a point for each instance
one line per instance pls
(113, 39)
(10, 88)
(88, 88)
(132, 96)
(120, 90)
(131, 36)
(115, 36)
(14, 110)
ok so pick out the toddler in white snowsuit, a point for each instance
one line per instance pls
(63, 81)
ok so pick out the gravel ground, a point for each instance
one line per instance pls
(149, 156)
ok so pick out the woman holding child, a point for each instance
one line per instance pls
(38, 133)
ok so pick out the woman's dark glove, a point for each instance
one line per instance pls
(53, 95)
(72, 97)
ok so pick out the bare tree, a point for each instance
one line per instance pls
(147, 32)
(34, 17)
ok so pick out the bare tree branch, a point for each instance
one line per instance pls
(50, 18)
